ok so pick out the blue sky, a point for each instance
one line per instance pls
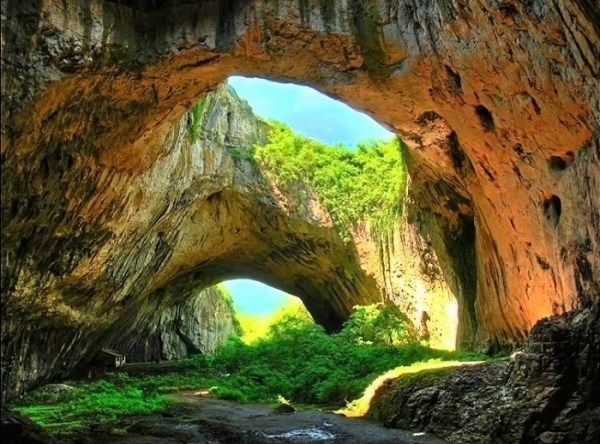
(252, 297)
(315, 115)
(307, 111)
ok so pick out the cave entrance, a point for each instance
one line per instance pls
(257, 306)
(310, 201)
(308, 111)
(255, 298)
(357, 170)
(90, 152)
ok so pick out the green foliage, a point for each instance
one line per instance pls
(255, 327)
(297, 360)
(294, 359)
(196, 119)
(100, 402)
(367, 183)
(378, 324)
(240, 154)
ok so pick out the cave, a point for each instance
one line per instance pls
(93, 109)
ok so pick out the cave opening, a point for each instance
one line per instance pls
(353, 171)
(312, 204)
(252, 297)
(116, 212)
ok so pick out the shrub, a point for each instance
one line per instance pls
(195, 120)
(379, 324)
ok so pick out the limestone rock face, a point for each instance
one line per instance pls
(498, 102)
(199, 324)
(408, 272)
(200, 215)
(547, 393)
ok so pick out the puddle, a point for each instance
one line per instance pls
(311, 433)
(186, 427)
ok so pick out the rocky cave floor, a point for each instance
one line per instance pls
(201, 420)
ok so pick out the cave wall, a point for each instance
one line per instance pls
(200, 323)
(131, 253)
(498, 102)
(408, 273)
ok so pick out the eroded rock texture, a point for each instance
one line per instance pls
(498, 102)
(198, 324)
(548, 393)
(152, 242)
(407, 271)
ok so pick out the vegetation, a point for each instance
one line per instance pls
(255, 327)
(93, 402)
(237, 153)
(366, 183)
(226, 295)
(379, 324)
(293, 360)
(196, 119)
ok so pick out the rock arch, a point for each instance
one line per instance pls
(483, 94)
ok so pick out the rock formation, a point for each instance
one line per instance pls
(200, 215)
(407, 272)
(497, 101)
(548, 393)
(200, 323)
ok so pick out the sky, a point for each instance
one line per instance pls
(307, 111)
(254, 298)
(315, 115)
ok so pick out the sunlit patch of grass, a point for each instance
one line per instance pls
(359, 407)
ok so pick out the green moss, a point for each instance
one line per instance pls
(430, 376)
(239, 154)
(426, 377)
(101, 402)
(197, 112)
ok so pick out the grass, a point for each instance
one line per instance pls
(100, 402)
(294, 359)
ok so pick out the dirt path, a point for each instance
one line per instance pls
(200, 420)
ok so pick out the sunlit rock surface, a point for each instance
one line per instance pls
(546, 393)
(497, 101)
(408, 272)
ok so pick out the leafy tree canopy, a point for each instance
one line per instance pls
(367, 183)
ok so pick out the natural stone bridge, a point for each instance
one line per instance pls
(498, 102)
